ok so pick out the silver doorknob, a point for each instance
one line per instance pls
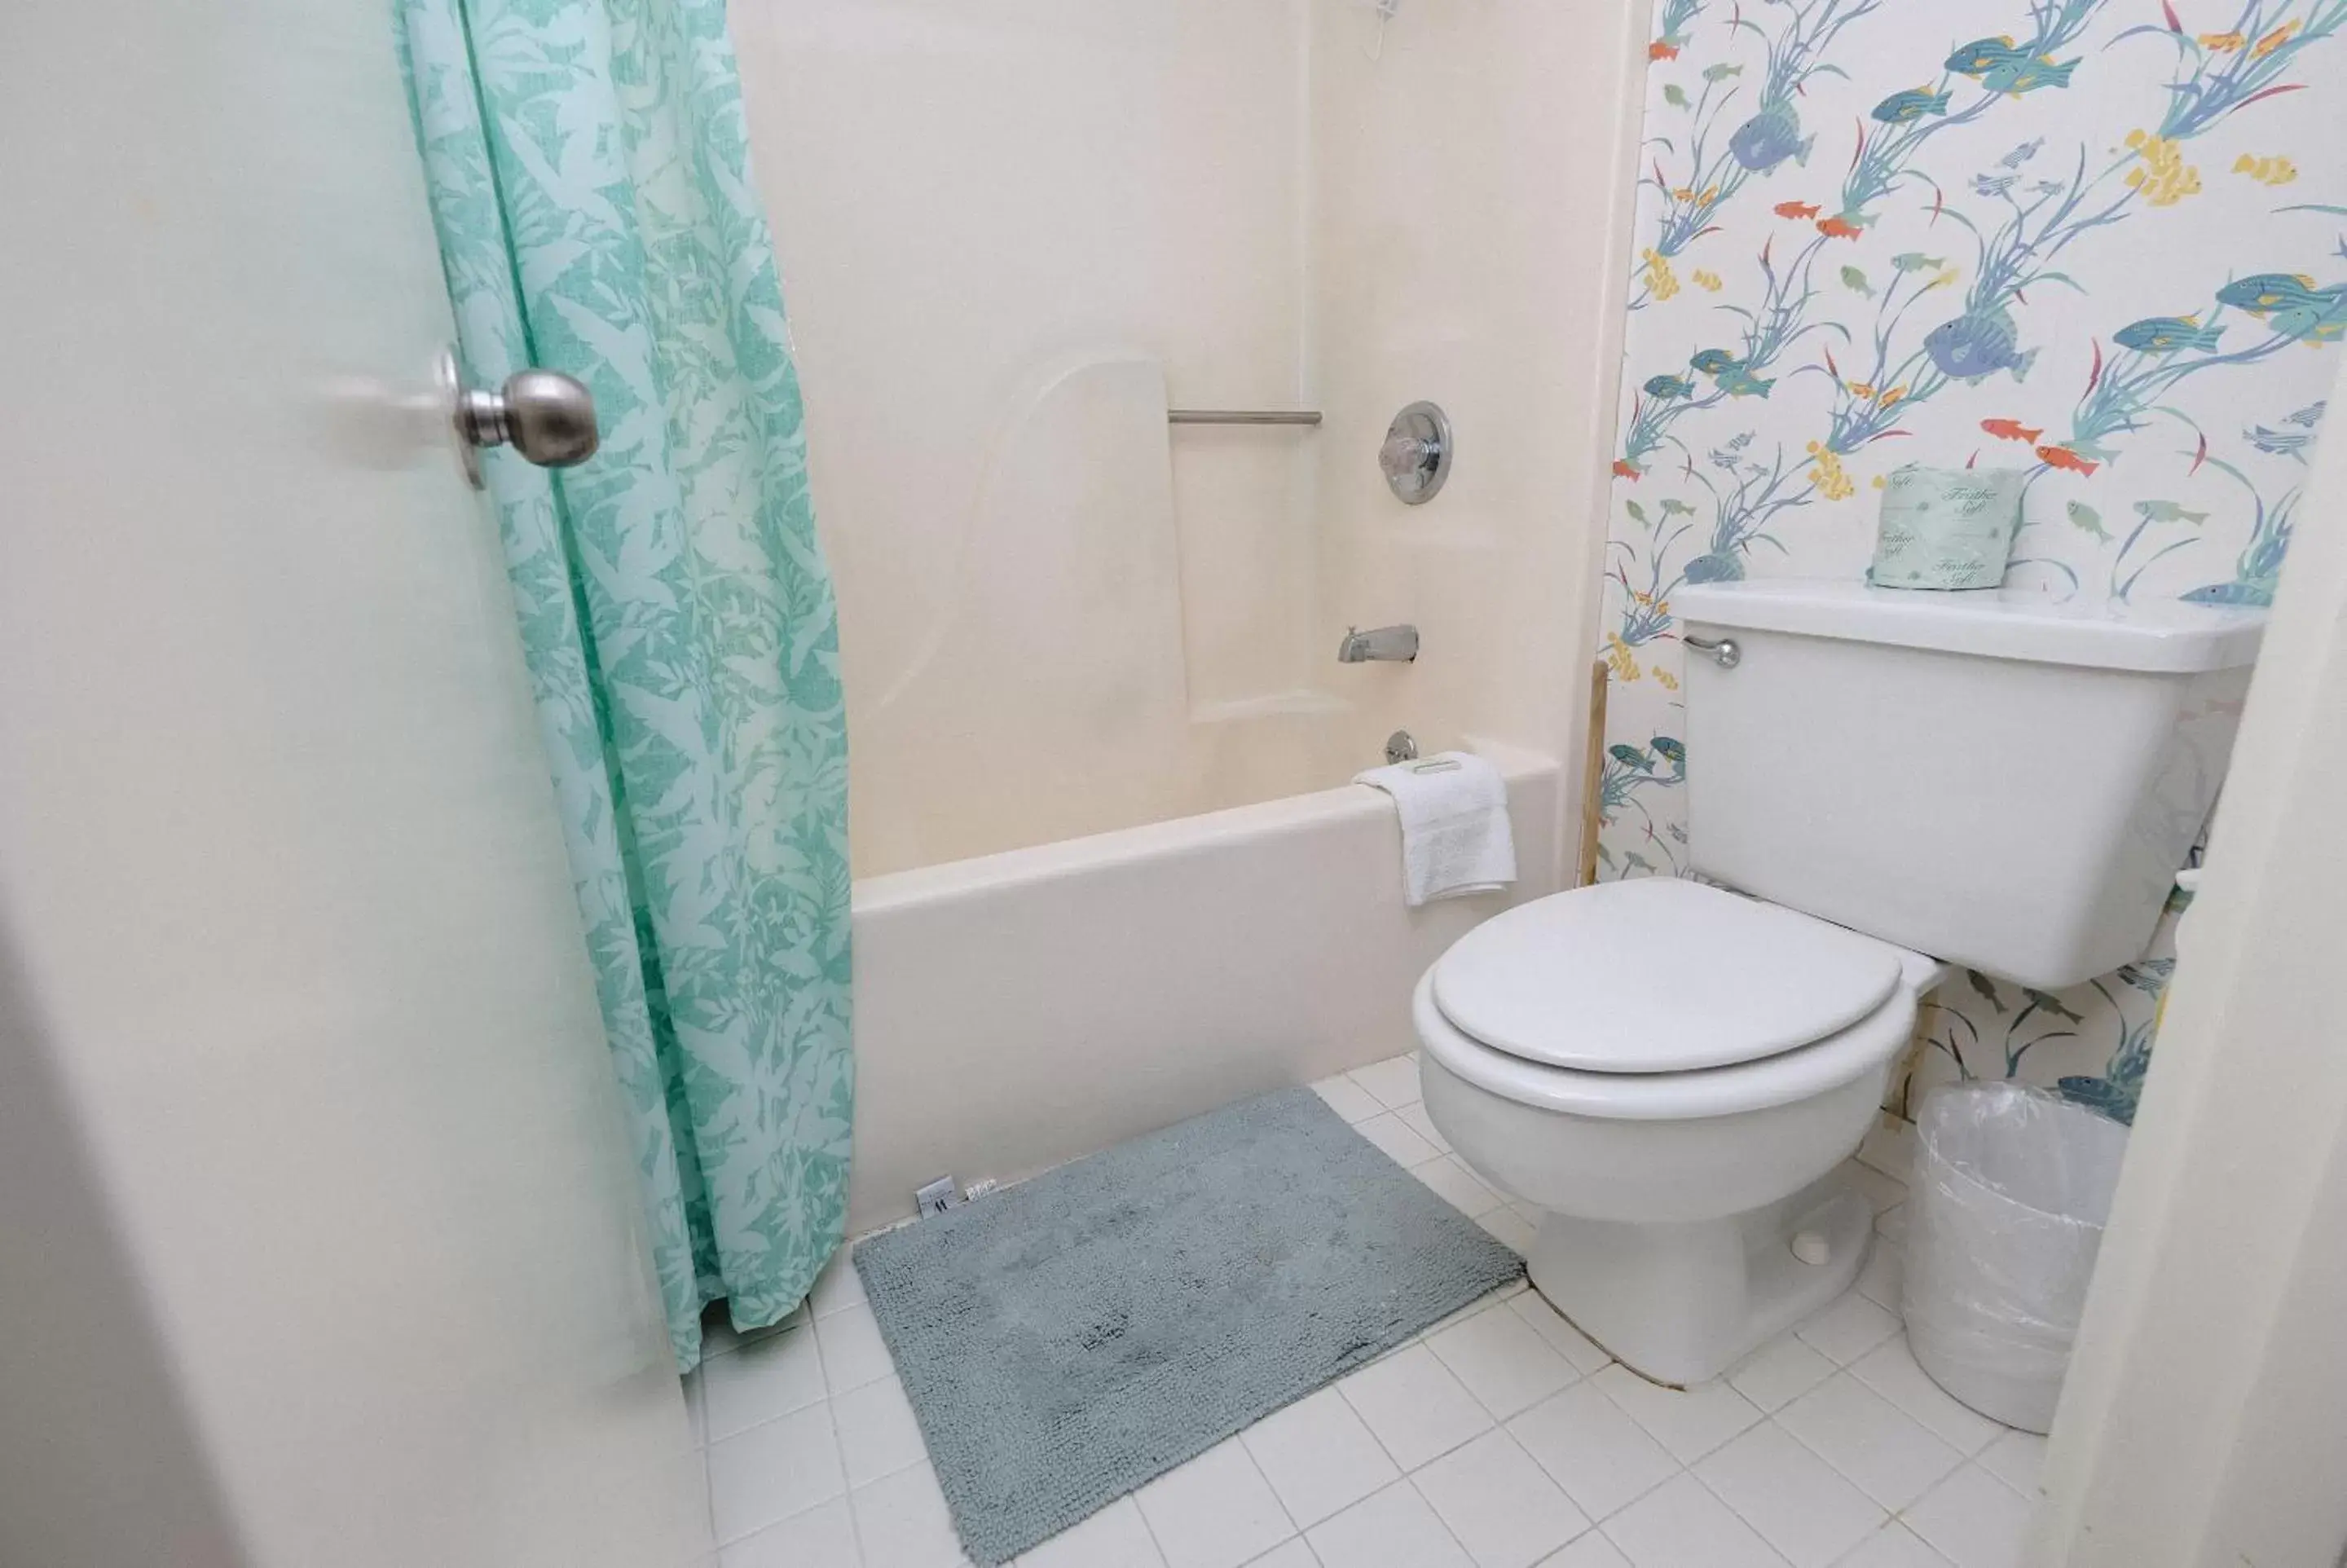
(545, 417)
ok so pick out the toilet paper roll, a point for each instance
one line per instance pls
(1946, 528)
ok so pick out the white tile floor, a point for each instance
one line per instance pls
(1499, 1438)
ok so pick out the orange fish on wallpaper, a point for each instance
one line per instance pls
(1796, 209)
(1838, 229)
(2010, 430)
(1662, 49)
(2064, 458)
(1630, 471)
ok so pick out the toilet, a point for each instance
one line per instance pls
(1883, 786)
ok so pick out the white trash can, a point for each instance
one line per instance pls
(2012, 1187)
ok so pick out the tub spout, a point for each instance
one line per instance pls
(1398, 643)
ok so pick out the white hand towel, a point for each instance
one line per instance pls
(1455, 839)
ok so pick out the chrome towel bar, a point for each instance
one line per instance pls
(1243, 416)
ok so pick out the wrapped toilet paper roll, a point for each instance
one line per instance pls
(1946, 528)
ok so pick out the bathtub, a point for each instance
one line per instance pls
(1016, 1010)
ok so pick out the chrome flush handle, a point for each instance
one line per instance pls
(1723, 650)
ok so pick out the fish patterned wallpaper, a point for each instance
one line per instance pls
(2101, 241)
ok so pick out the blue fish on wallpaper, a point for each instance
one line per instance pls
(2027, 76)
(2167, 334)
(1975, 344)
(1994, 184)
(2257, 594)
(1912, 104)
(2022, 154)
(2281, 442)
(2308, 417)
(2261, 293)
(2291, 303)
(1668, 386)
(1982, 56)
(1729, 373)
(1769, 139)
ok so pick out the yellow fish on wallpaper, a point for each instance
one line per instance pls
(1661, 281)
(2221, 43)
(1828, 475)
(2275, 40)
(2274, 170)
(1664, 678)
(1709, 282)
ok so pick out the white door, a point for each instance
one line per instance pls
(318, 1239)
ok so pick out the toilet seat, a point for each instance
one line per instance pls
(1658, 975)
(1777, 1080)
(1831, 1004)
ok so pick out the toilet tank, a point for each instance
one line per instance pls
(1993, 779)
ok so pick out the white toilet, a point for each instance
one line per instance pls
(1673, 1070)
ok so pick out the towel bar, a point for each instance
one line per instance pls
(1243, 416)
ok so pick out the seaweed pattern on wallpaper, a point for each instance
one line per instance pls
(1865, 238)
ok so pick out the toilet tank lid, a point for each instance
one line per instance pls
(1658, 975)
(2164, 636)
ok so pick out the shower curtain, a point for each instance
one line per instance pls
(589, 179)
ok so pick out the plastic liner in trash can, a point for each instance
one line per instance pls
(2012, 1187)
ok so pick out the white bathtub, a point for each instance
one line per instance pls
(1018, 1010)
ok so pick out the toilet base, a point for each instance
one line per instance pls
(1681, 1303)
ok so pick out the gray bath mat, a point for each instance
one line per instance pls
(1067, 1339)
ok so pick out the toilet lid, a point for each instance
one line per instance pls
(1658, 975)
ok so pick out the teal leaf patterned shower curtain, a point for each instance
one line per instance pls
(589, 176)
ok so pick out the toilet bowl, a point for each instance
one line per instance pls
(1671, 1072)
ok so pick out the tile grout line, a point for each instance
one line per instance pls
(1760, 1535)
(1409, 1479)
(1295, 1531)
(1146, 1528)
(839, 1450)
(708, 1480)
